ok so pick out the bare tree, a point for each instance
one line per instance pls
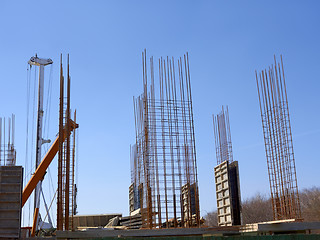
(211, 219)
(259, 208)
(310, 204)
(256, 209)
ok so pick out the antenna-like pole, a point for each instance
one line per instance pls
(41, 63)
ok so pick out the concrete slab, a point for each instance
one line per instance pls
(101, 233)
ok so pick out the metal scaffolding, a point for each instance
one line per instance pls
(164, 171)
(222, 136)
(7, 149)
(274, 109)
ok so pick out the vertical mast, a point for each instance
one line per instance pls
(39, 132)
(41, 62)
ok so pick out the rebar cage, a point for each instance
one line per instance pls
(222, 136)
(164, 171)
(67, 190)
(7, 149)
(278, 142)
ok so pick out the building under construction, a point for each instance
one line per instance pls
(164, 193)
(164, 167)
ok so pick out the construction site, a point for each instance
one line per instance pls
(105, 141)
(164, 194)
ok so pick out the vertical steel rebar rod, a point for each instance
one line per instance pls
(60, 154)
(67, 161)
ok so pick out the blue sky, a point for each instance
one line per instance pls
(226, 40)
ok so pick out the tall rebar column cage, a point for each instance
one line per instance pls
(276, 126)
(164, 170)
(222, 136)
(66, 192)
(7, 149)
(226, 173)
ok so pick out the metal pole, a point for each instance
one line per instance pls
(41, 63)
(39, 137)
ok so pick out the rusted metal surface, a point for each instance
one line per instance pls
(60, 153)
(73, 193)
(66, 161)
(7, 149)
(275, 118)
(222, 136)
(67, 155)
(164, 156)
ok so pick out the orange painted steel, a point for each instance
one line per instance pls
(41, 170)
(35, 216)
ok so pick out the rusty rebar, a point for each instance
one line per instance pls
(222, 136)
(164, 168)
(278, 142)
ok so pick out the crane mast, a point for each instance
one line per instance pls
(41, 63)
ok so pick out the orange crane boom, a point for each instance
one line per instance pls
(43, 166)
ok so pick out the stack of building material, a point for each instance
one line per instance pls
(93, 221)
(288, 226)
(10, 201)
(131, 222)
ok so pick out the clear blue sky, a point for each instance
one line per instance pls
(226, 40)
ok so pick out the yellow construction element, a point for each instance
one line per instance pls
(42, 168)
(35, 216)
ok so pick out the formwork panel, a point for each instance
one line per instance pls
(228, 194)
(10, 201)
